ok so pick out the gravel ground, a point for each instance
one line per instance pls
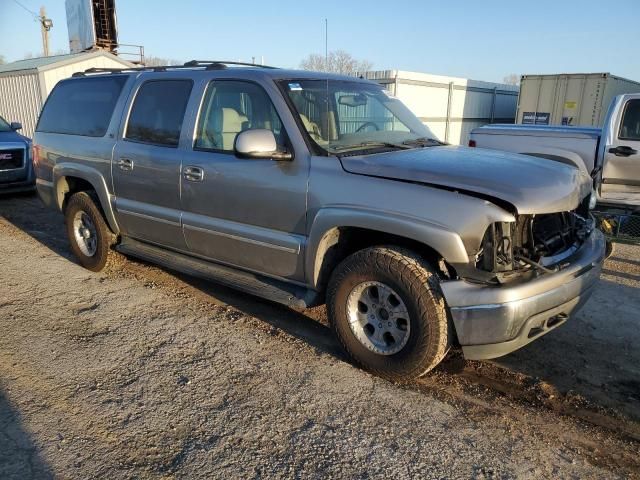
(140, 373)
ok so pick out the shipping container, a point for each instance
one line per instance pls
(25, 84)
(580, 99)
(451, 107)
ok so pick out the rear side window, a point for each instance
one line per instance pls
(158, 111)
(81, 107)
(630, 127)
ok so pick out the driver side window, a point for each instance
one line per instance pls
(231, 107)
(630, 127)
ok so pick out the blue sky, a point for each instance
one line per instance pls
(482, 40)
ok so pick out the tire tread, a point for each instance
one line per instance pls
(424, 287)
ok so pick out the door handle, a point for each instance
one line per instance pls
(125, 164)
(193, 174)
(622, 151)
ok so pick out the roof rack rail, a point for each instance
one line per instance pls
(220, 64)
(116, 70)
(205, 64)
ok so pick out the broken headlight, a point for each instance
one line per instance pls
(530, 241)
(496, 254)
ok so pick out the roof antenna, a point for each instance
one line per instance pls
(326, 69)
(326, 43)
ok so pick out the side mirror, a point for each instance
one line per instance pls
(259, 144)
(16, 126)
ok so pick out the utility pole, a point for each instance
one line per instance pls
(45, 26)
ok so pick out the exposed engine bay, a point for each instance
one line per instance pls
(534, 243)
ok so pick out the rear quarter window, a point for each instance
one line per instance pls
(81, 107)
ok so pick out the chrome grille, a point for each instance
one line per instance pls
(11, 159)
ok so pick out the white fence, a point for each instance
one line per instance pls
(451, 107)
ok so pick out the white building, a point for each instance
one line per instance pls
(25, 84)
(451, 107)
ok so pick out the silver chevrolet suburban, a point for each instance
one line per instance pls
(308, 188)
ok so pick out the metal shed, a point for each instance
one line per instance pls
(451, 107)
(25, 84)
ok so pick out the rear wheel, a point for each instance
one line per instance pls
(386, 308)
(88, 233)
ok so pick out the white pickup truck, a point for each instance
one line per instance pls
(611, 154)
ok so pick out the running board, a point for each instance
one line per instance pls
(268, 288)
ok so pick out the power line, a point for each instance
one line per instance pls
(35, 15)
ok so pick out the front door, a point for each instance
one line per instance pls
(621, 171)
(244, 212)
(147, 163)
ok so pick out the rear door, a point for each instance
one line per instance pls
(147, 161)
(621, 172)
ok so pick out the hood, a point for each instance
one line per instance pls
(531, 185)
(12, 137)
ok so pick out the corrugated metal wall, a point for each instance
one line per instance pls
(451, 107)
(54, 75)
(20, 99)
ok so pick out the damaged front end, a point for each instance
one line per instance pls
(529, 276)
(532, 245)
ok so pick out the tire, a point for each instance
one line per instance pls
(82, 212)
(411, 347)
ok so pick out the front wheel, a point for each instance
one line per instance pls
(88, 233)
(386, 308)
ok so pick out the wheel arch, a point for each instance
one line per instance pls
(338, 232)
(72, 178)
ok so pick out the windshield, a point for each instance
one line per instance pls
(4, 125)
(345, 116)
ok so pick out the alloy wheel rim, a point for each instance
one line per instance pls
(85, 233)
(378, 317)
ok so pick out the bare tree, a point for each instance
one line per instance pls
(151, 61)
(314, 62)
(337, 61)
(512, 79)
(2, 62)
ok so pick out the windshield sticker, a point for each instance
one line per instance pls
(295, 87)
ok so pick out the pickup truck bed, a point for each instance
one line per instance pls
(574, 145)
(611, 154)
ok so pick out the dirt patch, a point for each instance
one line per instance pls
(137, 372)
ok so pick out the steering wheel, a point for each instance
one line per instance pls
(367, 124)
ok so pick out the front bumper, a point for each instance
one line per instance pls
(493, 321)
(27, 185)
(20, 179)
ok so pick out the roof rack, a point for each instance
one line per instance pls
(220, 64)
(193, 64)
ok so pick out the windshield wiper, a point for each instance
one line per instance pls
(424, 142)
(364, 145)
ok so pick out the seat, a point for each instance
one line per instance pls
(312, 128)
(226, 124)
